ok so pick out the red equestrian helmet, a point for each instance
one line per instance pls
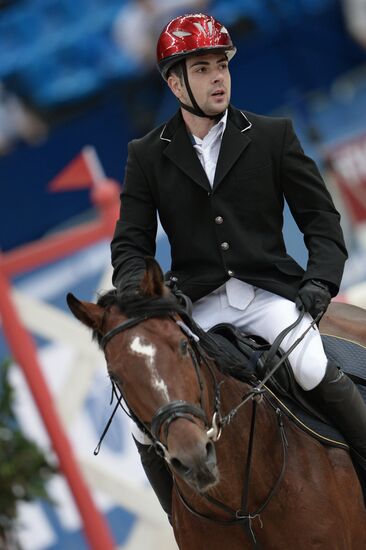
(191, 34)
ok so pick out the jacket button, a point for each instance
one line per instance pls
(225, 246)
(219, 220)
(230, 273)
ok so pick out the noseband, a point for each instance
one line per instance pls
(166, 414)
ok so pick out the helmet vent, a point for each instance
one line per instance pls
(199, 27)
(180, 34)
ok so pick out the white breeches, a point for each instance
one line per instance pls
(265, 314)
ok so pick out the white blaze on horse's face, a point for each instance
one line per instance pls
(148, 351)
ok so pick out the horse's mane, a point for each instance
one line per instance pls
(133, 305)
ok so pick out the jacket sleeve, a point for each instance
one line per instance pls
(314, 212)
(135, 233)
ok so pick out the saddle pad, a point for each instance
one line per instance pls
(351, 357)
(325, 433)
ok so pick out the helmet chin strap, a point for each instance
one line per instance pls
(195, 109)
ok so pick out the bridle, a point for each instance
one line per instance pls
(166, 414)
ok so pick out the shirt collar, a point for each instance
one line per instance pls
(223, 120)
(216, 131)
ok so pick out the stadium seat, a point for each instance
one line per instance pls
(17, 43)
(110, 61)
(232, 11)
(61, 78)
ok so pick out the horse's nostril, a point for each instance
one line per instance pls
(210, 451)
(179, 467)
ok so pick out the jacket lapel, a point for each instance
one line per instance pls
(180, 151)
(234, 141)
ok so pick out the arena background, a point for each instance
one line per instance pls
(77, 82)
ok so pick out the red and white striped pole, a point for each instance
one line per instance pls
(83, 172)
(24, 352)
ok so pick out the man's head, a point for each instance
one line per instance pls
(193, 51)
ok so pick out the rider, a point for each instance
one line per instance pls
(218, 178)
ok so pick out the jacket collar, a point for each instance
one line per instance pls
(180, 151)
(239, 119)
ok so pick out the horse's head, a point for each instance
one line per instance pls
(154, 364)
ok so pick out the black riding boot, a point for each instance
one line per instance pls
(158, 475)
(340, 400)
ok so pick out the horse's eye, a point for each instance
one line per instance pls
(183, 347)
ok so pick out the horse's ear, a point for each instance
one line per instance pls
(152, 283)
(88, 313)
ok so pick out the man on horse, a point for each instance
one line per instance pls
(218, 177)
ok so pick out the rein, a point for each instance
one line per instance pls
(258, 389)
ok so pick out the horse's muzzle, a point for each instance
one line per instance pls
(197, 464)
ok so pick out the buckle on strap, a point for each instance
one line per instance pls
(215, 431)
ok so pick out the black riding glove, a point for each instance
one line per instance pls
(314, 297)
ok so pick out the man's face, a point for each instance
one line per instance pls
(210, 82)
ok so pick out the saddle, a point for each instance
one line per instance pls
(252, 351)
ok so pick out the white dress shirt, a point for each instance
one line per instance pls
(208, 148)
(238, 293)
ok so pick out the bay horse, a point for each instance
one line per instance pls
(238, 484)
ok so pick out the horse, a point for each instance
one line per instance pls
(244, 475)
